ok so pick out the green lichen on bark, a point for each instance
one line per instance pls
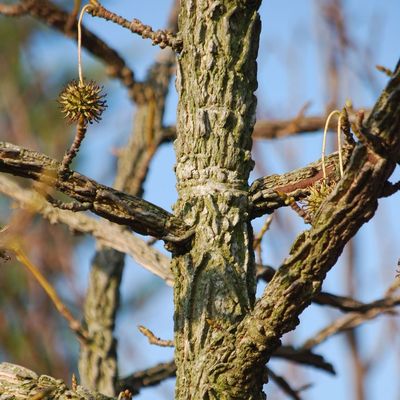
(215, 280)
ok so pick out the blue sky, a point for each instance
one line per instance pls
(291, 73)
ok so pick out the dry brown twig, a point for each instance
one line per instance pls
(153, 339)
(350, 321)
(258, 238)
(162, 38)
(388, 72)
(283, 384)
(72, 17)
(280, 128)
(12, 244)
(148, 377)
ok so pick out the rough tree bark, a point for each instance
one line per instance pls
(215, 280)
(223, 338)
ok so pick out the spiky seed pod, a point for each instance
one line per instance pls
(318, 194)
(82, 100)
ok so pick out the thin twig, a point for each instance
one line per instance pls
(73, 323)
(277, 128)
(153, 339)
(352, 320)
(283, 384)
(258, 239)
(304, 357)
(72, 16)
(161, 38)
(387, 71)
(149, 377)
(342, 303)
(390, 188)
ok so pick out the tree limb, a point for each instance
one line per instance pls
(110, 235)
(305, 357)
(342, 303)
(352, 203)
(106, 233)
(264, 192)
(139, 215)
(21, 383)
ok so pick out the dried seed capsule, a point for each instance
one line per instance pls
(82, 100)
(318, 194)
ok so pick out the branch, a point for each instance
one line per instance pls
(352, 203)
(265, 192)
(149, 377)
(160, 37)
(51, 15)
(304, 356)
(342, 303)
(73, 323)
(21, 383)
(106, 233)
(139, 215)
(110, 235)
(390, 189)
(115, 237)
(280, 128)
(350, 321)
(283, 384)
(153, 376)
(153, 339)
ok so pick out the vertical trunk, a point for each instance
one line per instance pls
(98, 366)
(215, 280)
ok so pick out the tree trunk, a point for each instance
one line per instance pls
(215, 281)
